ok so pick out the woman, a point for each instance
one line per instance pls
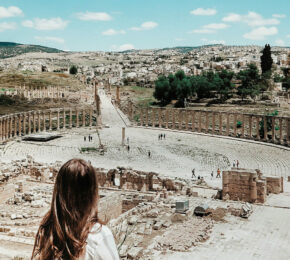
(71, 229)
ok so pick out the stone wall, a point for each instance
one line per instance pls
(249, 185)
(110, 207)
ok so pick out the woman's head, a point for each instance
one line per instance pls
(64, 229)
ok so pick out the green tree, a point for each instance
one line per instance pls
(73, 70)
(250, 82)
(162, 90)
(266, 59)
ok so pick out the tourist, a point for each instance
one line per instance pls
(218, 173)
(128, 148)
(71, 228)
(234, 164)
(149, 154)
(164, 136)
(238, 163)
(211, 174)
(127, 140)
(193, 173)
(85, 138)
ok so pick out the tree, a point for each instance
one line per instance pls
(266, 59)
(250, 82)
(73, 70)
(162, 90)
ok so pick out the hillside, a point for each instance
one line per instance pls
(11, 49)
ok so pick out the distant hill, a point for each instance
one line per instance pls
(11, 49)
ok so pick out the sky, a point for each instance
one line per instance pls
(118, 25)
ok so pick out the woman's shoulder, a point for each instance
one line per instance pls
(99, 232)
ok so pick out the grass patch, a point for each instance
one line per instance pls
(89, 149)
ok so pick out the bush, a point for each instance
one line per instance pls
(73, 70)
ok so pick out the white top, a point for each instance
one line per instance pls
(101, 244)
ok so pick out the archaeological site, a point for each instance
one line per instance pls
(190, 146)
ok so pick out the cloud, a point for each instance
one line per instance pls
(213, 41)
(124, 47)
(202, 11)
(179, 39)
(7, 26)
(211, 28)
(145, 26)
(111, 32)
(11, 11)
(260, 33)
(93, 16)
(280, 42)
(45, 24)
(288, 36)
(203, 31)
(279, 15)
(252, 19)
(216, 26)
(49, 39)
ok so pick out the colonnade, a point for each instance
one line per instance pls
(26, 123)
(273, 129)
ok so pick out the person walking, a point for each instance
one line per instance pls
(234, 164)
(193, 173)
(149, 154)
(128, 148)
(211, 174)
(218, 173)
(85, 138)
(72, 229)
(238, 163)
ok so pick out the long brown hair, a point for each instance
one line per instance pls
(65, 227)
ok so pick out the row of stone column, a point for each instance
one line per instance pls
(221, 123)
(36, 121)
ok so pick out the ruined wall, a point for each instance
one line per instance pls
(249, 185)
(242, 185)
(110, 207)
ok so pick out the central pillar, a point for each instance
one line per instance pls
(24, 123)
(15, 125)
(153, 117)
(70, 118)
(281, 129)
(29, 123)
(206, 121)
(166, 118)
(213, 123)
(250, 126)
(180, 119)
(11, 126)
(19, 125)
(91, 116)
(159, 117)
(123, 135)
(147, 117)
(173, 118)
(50, 120)
(235, 125)
(265, 128)
(257, 127)
(243, 125)
(34, 123)
(141, 116)
(39, 121)
(186, 119)
(1, 131)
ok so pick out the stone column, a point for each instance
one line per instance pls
(64, 119)
(91, 116)
(29, 123)
(228, 124)
(39, 121)
(221, 123)
(58, 119)
(257, 127)
(11, 126)
(50, 120)
(199, 122)
(153, 117)
(141, 116)
(118, 95)
(77, 117)
(84, 118)
(186, 119)
(288, 130)
(235, 125)
(281, 130)
(34, 124)
(273, 129)
(159, 118)
(206, 121)
(192, 121)
(243, 125)
(213, 123)
(1, 129)
(70, 118)
(19, 125)
(173, 118)
(43, 121)
(265, 128)
(180, 119)
(250, 126)
(147, 116)
(123, 135)
(166, 118)
(15, 125)
(7, 128)
(24, 124)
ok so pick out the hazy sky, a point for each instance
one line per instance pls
(84, 25)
